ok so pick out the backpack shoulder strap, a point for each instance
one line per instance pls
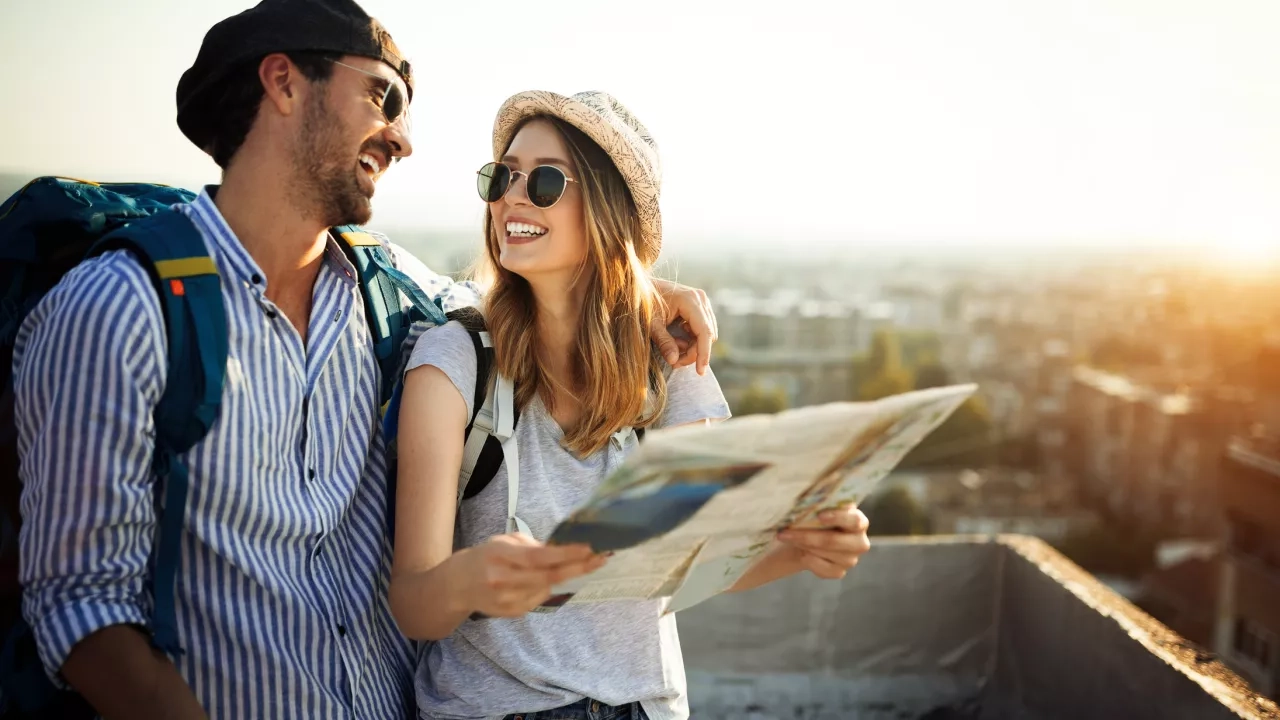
(190, 293)
(382, 285)
(492, 403)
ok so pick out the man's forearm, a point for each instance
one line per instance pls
(122, 676)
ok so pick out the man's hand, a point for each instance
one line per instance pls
(833, 549)
(685, 334)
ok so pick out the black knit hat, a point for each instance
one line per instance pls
(337, 26)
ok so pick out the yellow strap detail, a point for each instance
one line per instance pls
(186, 267)
(357, 239)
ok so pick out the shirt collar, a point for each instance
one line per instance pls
(204, 213)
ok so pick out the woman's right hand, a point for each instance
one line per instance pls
(509, 575)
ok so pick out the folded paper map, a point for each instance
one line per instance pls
(693, 508)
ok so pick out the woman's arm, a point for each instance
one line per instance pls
(433, 589)
(828, 551)
(433, 417)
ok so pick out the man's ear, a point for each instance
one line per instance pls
(282, 84)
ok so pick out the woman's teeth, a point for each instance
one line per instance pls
(515, 229)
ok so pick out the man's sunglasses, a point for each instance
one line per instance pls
(544, 184)
(393, 98)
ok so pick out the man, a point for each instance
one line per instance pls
(281, 591)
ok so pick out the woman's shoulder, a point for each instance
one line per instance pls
(428, 338)
(448, 347)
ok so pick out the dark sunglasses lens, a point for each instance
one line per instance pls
(393, 103)
(492, 181)
(546, 185)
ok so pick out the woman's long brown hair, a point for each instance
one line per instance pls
(617, 372)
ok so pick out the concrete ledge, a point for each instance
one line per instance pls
(950, 627)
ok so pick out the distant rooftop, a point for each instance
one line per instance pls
(1261, 451)
(938, 628)
(781, 304)
(1126, 389)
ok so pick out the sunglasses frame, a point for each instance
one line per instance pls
(404, 111)
(514, 173)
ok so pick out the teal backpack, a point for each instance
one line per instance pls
(47, 228)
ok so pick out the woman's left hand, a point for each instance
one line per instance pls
(693, 308)
(833, 549)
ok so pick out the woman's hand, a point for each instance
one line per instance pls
(828, 549)
(509, 575)
(831, 550)
(689, 314)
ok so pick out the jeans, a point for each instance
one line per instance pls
(586, 709)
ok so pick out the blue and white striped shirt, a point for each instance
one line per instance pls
(281, 589)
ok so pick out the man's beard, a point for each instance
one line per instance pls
(325, 183)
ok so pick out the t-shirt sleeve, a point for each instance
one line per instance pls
(450, 349)
(692, 398)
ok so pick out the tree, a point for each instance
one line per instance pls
(895, 512)
(932, 375)
(884, 385)
(758, 400)
(881, 373)
(963, 440)
(919, 348)
(1117, 354)
(886, 352)
(1111, 550)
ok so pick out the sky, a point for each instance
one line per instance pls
(793, 124)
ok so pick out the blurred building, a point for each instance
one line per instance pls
(1150, 454)
(803, 377)
(787, 320)
(1247, 630)
(999, 501)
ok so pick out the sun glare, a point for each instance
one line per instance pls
(1254, 251)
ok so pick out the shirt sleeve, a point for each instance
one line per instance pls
(449, 293)
(450, 349)
(692, 398)
(88, 371)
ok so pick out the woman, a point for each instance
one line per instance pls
(571, 232)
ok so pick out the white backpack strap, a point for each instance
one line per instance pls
(504, 421)
(620, 437)
(504, 430)
(481, 429)
(511, 458)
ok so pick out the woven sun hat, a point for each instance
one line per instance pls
(612, 126)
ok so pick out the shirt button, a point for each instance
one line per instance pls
(342, 631)
(311, 473)
(257, 279)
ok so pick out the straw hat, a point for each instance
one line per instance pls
(612, 126)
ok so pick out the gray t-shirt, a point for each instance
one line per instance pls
(615, 652)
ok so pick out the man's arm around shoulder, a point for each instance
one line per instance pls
(89, 368)
(452, 294)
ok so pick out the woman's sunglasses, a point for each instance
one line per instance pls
(393, 98)
(544, 184)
